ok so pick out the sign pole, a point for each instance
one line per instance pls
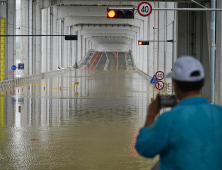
(173, 52)
(212, 51)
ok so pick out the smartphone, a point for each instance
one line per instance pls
(168, 101)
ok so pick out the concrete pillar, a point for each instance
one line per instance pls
(65, 49)
(58, 44)
(218, 76)
(44, 41)
(48, 44)
(83, 47)
(70, 48)
(150, 25)
(55, 40)
(143, 50)
(3, 16)
(79, 46)
(161, 29)
(87, 45)
(10, 41)
(25, 29)
(62, 44)
(155, 38)
(51, 39)
(137, 59)
(74, 48)
(90, 45)
(35, 42)
(169, 36)
(31, 39)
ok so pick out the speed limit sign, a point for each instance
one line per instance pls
(144, 9)
(159, 75)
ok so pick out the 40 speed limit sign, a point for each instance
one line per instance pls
(144, 9)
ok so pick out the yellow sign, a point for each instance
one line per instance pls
(2, 49)
(2, 109)
(152, 99)
(76, 94)
(76, 83)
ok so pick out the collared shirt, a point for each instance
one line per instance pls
(189, 137)
(198, 95)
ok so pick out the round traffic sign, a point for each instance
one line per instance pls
(159, 85)
(144, 9)
(13, 67)
(159, 75)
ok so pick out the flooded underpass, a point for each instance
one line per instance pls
(52, 123)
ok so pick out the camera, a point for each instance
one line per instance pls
(168, 101)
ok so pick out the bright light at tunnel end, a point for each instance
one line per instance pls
(111, 14)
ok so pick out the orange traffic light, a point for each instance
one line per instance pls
(111, 14)
(143, 42)
(121, 13)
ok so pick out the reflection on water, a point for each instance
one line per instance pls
(94, 130)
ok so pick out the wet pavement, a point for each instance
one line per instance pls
(53, 123)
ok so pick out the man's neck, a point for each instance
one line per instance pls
(190, 94)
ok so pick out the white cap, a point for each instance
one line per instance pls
(183, 68)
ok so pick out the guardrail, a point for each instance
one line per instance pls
(107, 62)
(87, 54)
(16, 81)
(140, 71)
(126, 59)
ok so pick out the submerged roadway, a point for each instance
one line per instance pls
(54, 123)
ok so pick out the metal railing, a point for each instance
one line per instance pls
(107, 62)
(140, 71)
(87, 54)
(16, 81)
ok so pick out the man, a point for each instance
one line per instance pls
(189, 137)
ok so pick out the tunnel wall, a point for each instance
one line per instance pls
(41, 54)
(193, 38)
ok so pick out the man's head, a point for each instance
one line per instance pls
(188, 76)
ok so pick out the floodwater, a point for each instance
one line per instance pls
(51, 123)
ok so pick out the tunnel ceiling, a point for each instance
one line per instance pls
(90, 16)
(106, 3)
(102, 2)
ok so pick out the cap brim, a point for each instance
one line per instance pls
(169, 75)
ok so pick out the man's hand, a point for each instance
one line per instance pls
(152, 111)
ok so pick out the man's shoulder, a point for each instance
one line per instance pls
(217, 107)
(172, 114)
(168, 114)
(184, 108)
